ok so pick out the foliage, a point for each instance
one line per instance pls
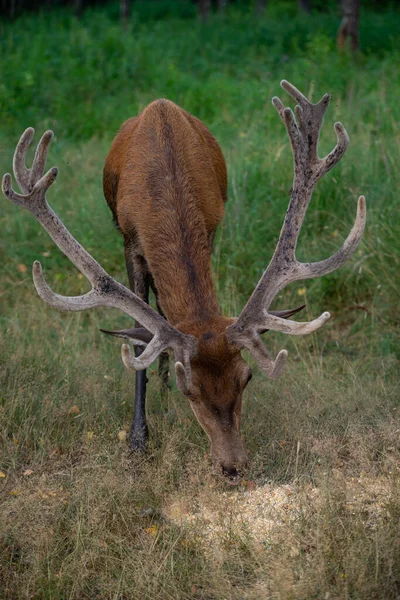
(80, 525)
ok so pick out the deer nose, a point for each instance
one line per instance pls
(232, 475)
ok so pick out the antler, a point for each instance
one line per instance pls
(284, 268)
(105, 290)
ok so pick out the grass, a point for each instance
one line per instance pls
(89, 521)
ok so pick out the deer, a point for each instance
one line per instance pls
(165, 181)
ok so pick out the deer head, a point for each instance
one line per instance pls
(218, 378)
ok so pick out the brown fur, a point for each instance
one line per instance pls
(165, 182)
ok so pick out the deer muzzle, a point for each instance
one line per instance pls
(229, 456)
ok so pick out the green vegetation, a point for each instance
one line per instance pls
(80, 525)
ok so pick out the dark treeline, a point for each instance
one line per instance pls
(13, 8)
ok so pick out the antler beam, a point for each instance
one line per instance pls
(105, 290)
(284, 268)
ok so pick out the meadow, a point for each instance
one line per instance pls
(80, 517)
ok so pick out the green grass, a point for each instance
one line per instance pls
(76, 528)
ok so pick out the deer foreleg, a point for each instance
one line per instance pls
(139, 283)
(163, 361)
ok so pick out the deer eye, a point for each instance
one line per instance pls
(249, 377)
(192, 396)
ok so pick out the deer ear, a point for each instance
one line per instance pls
(139, 336)
(284, 314)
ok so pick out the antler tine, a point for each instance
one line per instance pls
(294, 92)
(320, 107)
(40, 158)
(32, 200)
(323, 267)
(330, 160)
(148, 356)
(181, 379)
(154, 349)
(27, 178)
(183, 371)
(272, 368)
(284, 268)
(70, 303)
(105, 291)
(21, 172)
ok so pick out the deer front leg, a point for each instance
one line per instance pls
(139, 283)
(163, 359)
(163, 362)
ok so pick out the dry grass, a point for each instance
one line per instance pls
(103, 525)
(318, 516)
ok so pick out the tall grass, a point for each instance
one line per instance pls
(80, 525)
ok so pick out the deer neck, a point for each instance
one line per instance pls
(181, 269)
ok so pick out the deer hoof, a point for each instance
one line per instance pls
(138, 441)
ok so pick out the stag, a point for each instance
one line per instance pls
(165, 182)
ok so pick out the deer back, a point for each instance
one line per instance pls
(165, 182)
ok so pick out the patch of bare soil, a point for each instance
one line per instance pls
(260, 515)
